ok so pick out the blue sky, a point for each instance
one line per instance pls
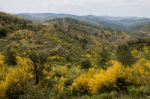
(139, 8)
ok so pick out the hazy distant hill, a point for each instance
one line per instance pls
(8, 19)
(116, 23)
(142, 29)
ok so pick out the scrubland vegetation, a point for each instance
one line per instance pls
(48, 80)
(68, 59)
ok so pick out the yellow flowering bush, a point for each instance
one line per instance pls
(60, 70)
(143, 53)
(139, 73)
(55, 58)
(16, 79)
(1, 59)
(23, 61)
(74, 79)
(3, 68)
(81, 84)
(58, 76)
(107, 78)
(95, 79)
(60, 85)
(64, 77)
(98, 80)
(2, 90)
(2, 76)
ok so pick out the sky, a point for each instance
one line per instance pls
(138, 8)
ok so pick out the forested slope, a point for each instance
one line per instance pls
(65, 58)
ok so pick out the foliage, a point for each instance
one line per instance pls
(86, 64)
(138, 91)
(16, 80)
(124, 55)
(143, 53)
(95, 81)
(69, 59)
(1, 59)
(104, 58)
(115, 77)
(4, 32)
(10, 57)
(38, 60)
(66, 82)
(139, 72)
(3, 68)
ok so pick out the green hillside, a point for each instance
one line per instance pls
(131, 25)
(65, 58)
(68, 37)
(10, 23)
(141, 29)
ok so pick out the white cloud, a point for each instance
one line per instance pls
(80, 7)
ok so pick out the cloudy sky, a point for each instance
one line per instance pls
(140, 8)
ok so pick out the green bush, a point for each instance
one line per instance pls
(124, 55)
(104, 58)
(111, 95)
(10, 57)
(34, 92)
(141, 91)
(3, 32)
(86, 64)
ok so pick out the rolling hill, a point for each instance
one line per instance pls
(66, 37)
(76, 57)
(128, 24)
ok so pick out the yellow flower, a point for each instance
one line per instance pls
(95, 79)
(1, 59)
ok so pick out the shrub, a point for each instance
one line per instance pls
(124, 55)
(3, 68)
(104, 58)
(60, 71)
(1, 59)
(10, 57)
(35, 92)
(106, 95)
(86, 64)
(4, 32)
(143, 53)
(15, 82)
(72, 74)
(141, 91)
(97, 81)
(121, 84)
(138, 73)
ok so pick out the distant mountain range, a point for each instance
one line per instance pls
(127, 24)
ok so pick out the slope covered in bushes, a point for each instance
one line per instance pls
(66, 58)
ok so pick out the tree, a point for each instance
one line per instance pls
(104, 57)
(124, 55)
(38, 59)
(10, 57)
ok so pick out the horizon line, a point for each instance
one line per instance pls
(15, 13)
